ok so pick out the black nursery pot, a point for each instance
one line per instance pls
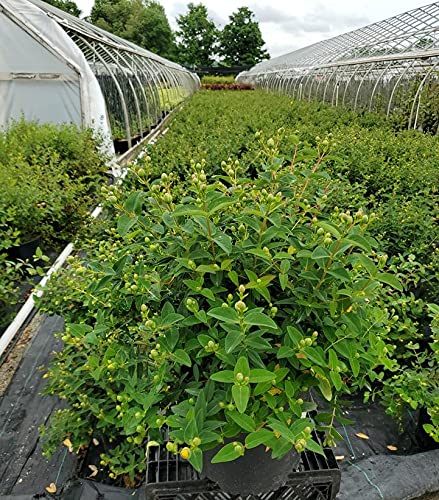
(254, 473)
(25, 250)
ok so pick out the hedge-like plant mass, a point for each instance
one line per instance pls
(49, 180)
(260, 250)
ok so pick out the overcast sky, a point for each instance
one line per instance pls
(287, 25)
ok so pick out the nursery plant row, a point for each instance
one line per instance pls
(50, 177)
(264, 259)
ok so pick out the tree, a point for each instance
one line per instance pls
(111, 15)
(149, 27)
(68, 6)
(142, 22)
(241, 40)
(197, 37)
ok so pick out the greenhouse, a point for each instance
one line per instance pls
(390, 66)
(63, 69)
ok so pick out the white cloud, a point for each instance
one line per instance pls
(287, 25)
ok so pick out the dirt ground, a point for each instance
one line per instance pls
(8, 368)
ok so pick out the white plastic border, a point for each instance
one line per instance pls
(15, 327)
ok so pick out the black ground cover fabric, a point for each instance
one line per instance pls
(369, 469)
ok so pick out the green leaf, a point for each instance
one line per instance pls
(300, 425)
(320, 253)
(224, 242)
(226, 376)
(281, 373)
(226, 314)
(285, 352)
(316, 355)
(260, 282)
(391, 280)
(315, 447)
(125, 223)
(303, 253)
(355, 365)
(333, 359)
(242, 366)
(367, 263)
(233, 339)
(196, 459)
(258, 375)
(261, 388)
(282, 429)
(244, 421)
(259, 319)
(260, 253)
(182, 357)
(336, 379)
(294, 335)
(225, 264)
(233, 275)
(280, 448)
(359, 241)
(226, 454)
(291, 389)
(257, 438)
(329, 228)
(325, 387)
(340, 273)
(283, 280)
(208, 294)
(285, 266)
(257, 342)
(188, 210)
(134, 202)
(219, 203)
(241, 395)
(170, 319)
(207, 268)
(91, 338)
(78, 330)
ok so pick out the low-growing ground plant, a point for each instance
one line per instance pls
(217, 311)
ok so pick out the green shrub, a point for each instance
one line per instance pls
(153, 252)
(49, 178)
(50, 175)
(215, 311)
(212, 79)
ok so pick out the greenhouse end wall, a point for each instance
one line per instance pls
(57, 68)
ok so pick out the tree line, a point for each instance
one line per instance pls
(197, 42)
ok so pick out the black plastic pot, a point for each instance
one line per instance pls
(168, 477)
(425, 442)
(25, 250)
(252, 474)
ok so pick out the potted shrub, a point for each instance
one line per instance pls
(216, 311)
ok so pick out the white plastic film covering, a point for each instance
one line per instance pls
(44, 101)
(74, 96)
(33, 82)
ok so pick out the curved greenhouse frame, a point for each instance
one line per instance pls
(57, 68)
(391, 66)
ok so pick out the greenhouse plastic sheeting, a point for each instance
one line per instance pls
(23, 92)
(43, 74)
